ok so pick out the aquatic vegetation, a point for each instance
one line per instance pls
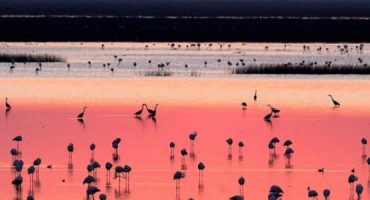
(23, 57)
(301, 69)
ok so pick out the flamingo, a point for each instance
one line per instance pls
(275, 192)
(184, 153)
(241, 182)
(229, 141)
(70, 149)
(237, 197)
(138, 113)
(177, 177)
(288, 143)
(312, 193)
(359, 189)
(201, 167)
(126, 170)
(255, 95)
(7, 105)
(192, 137)
(241, 145)
(336, 103)
(115, 145)
(81, 115)
(91, 191)
(14, 154)
(37, 163)
(108, 167)
(326, 193)
(88, 180)
(30, 197)
(364, 143)
(18, 139)
(17, 182)
(351, 179)
(117, 171)
(31, 171)
(172, 146)
(102, 197)
(92, 148)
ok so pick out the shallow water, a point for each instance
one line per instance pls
(78, 55)
(44, 113)
(45, 106)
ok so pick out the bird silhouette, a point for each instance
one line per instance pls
(237, 197)
(268, 117)
(244, 105)
(336, 103)
(92, 149)
(18, 139)
(90, 191)
(241, 145)
(102, 197)
(255, 95)
(326, 193)
(7, 105)
(152, 113)
(184, 153)
(177, 177)
(17, 182)
(108, 167)
(241, 182)
(138, 113)
(274, 110)
(172, 146)
(81, 115)
(230, 142)
(312, 193)
(88, 180)
(201, 168)
(359, 189)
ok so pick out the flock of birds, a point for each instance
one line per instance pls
(118, 61)
(122, 172)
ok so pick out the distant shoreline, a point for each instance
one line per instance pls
(141, 29)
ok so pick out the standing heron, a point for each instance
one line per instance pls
(81, 115)
(177, 177)
(255, 95)
(312, 193)
(18, 139)
(229, 142)
(184, 153)
(274, 110)
(241, 145)
(326, 193)
(172, 146)
(336, 103)
(152, 113)
(7, 105)
(268, 117)
(138, 113)
(241, 182)
(201, 167)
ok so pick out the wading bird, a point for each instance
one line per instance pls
(18, 139)
(138, 113)
(241, 182)
(201, 167)
(172, 146)
(244, 105)
(241, 145)
(7, 105)
(184, 153)
(229, 142)
(152, 113)
(108, 167)
(336, 103)
(91, 191)
(177, 177)
(255, 95)
(81, 115)
(312, 193)
(326, 193)
(274, 110)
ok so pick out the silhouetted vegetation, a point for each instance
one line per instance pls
(158, 73)
(301, 69)
(30, 58)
